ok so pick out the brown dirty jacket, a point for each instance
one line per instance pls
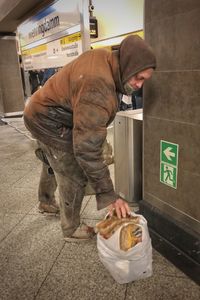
(72, 111)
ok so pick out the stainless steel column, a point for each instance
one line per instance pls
(128, 154)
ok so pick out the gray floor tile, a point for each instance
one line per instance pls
(30, 181)
(6, 161)
(27, 255)
(13, 164)
(7, 154)
(163, 287)
(166, 283)
(11, 136)
(10, 177)
(17, 200)
(8, 222)
(14, 145)
(78, 274)
(163, 266)
(11, 159)
(11, 154)
(26, 164)
(5, 130)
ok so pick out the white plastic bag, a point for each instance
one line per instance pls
(131, 265)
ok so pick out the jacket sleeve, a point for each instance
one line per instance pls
(92, 112)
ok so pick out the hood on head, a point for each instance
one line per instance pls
(135, 55)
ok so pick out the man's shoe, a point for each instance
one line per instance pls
(50, 208)
(82, 233)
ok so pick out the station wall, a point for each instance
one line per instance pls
(172, 110)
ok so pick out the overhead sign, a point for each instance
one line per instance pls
(55, 35)
(53, 54)
(168, 163)
(59, 16)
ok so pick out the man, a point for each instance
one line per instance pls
(69, 117)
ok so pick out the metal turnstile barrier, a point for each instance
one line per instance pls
(128, 154)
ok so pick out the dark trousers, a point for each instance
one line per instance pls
(71, 182)
(47, 185)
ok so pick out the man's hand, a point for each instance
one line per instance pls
(121, 207)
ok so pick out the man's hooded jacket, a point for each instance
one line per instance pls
(72, 111)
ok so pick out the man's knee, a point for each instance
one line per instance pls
(42, 157)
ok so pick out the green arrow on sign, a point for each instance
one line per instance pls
(169, 152)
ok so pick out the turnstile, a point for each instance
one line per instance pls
(128, 154)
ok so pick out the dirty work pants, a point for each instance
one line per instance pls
(71, 182)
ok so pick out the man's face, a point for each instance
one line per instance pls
(136, 81)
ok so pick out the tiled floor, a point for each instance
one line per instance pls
(35, 262)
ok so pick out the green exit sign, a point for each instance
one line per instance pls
(168, 163)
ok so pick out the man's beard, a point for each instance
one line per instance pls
(129, 89)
